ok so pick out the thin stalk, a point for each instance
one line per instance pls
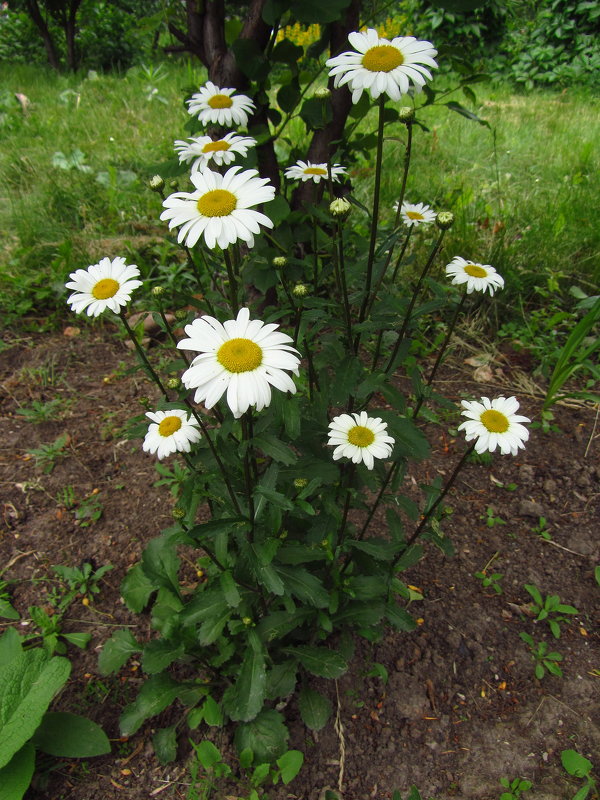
(247, 470)
(342, 530)
(401, 256)
(191, 261)
(233, 293)
(438, 360)
(142, 355)
(169, 330)
(413, 299)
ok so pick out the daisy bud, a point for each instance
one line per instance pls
(300, 483)
(178, 512)
(300, 290)
(173, 383)
(144, 401)
(174, 185)
(340, 207)
(156, 183)
(157, 291)
(247, 620)
(406, 114)
(181, 314)
(445, 220)
(323, 93)
(279, 262)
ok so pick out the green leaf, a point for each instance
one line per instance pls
(206, 605)
(315, 708)
(27, 685)
(208, 754)
(311, 11)
(279, 500)
(136, 589)
(276, 449)
(158, 654)
(243, 701)
(320, 661)
(582, 793)
(68, 735)
(212, 713)
(164, 742)
(156, 694)
(303, 585)
(211, 629)
(161, 564)
(16, 776)
(78, 639)
(409, 558)
(250, 58)
(290, 764)
(281, 680)
(7, 611)
(288, 96)
(535, 593)
(116, 651)
(287, 52)
(464, 112)
(266, 736)
(575, 764)
(10, 646)
(410, 440)
(380, 549)
(359, 614)
(400, 618)
(230, 590)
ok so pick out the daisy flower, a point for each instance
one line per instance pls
(416, 214)
(478, 277)
(201, 150)
(307, 171)
(170, 431)
(219, 209)
(241, 356)
(108, 284)
(380, 66)
(360, 437)
(220, 106)
(494, 423)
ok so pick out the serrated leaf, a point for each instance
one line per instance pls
(116, 651)
(320, 661)
(275, 449)
(158, 654)
(380, 549)
(243, 701)
(230, 590)
(206, 605)
(303, 585)
(15, 776)
(136, 589)
(315, 708)
(164, 742)
(68, 735)
(161, 564)
(211, 629)
(266, 736)
(27, 685)
(281, 680)
(400, 618)
(156, 694)
(7, 611)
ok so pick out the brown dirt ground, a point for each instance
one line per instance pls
(462, 707)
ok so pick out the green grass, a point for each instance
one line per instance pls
(524, 193)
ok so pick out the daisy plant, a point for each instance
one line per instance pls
(292, 393)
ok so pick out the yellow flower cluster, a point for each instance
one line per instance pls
(305, 36)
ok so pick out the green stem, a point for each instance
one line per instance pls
(438, 360)
(142, 355)
(342, 270)
(194, 266)
(413, 299)
(401, 256)
(247, 473)
(233, 293)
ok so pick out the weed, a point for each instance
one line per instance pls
(89, 510)
(47, 455)
(40, 411)
(81, 581)
(490, 518)
(515, 788)
(490, 580)
(579, 767)
(542, 529)
(53, 638)
(550, 609)
(66, 497)
(543, 659)
(6, 608)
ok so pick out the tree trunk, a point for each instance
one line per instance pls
(70, 28)
(34, 12)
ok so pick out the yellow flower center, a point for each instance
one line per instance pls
(216, 203)
(213, 147)
(475, 271)
(414, 215)
(315, 171)
(494, 421)
(220, 101)
(240, 355)
(107, 287)
(169, 425)
(383, 58)
(361, 436)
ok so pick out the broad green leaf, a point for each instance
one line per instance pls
(279, 623)
(10, 646)
(211, 629)
(161, 564)
(266, 736)
(380, 549)
(206, 605)
(575, 764)
(400, 618)
(156, 694)
(208, 754)
(290, 764)
(116, 651)
(311, 11)
(300, 554)
(464, 112)
(15, 776)
(136, 589)
(359, 614)
(78, 639)
(315, 708)
(158, 654)
(303, 585)
(230, 590)
(281, 679)
(279, 500)
(320, 661)
(245, 698)
(27, 685)
(7, 611)
(275, 448)
(68, 735)
(164, 742)
(409, 558)
(212, 713)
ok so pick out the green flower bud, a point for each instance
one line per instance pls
(279, 262)
(323, 93)
(156, 183)
(173, 383)
(406, 114)
(181, 314)
(157, 291)
(340, 207)
(300, 290)
(444, 220)
(178, 512)
(247, 620)
(174, 185)
(300, 483)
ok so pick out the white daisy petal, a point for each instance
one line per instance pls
(214, 105)
(415, 214)
(477, 277)
(494, 424)
(170, 432)
(106, 285)
(360, 437)
(307, 171)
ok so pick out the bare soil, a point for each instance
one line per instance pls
(462, 707)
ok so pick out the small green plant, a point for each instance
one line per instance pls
(40, 411)
(66, 497)
(491, 519)
(89, 510)
(29, 680)
(543, 659)
(7, 611)
(515, 788)
(54, 639)
(492, 580)
(542, 529)
(81, 581)
(550, 609)
(47, 455)
(579, 767)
